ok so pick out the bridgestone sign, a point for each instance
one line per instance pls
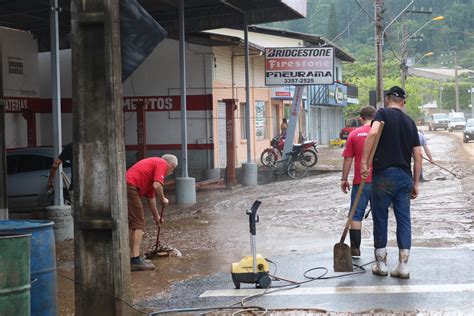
(299, 66)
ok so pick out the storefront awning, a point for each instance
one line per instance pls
(33, 16)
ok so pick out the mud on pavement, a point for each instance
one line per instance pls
(298, 216)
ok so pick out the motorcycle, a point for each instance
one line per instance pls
(271, 155)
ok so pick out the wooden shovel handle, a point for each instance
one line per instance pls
(443, 168)
(362, 184)
(159, 227)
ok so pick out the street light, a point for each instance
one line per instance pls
(403, 62)
(472, 96)
(425, 55)
(438, 18)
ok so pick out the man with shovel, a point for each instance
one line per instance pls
(145, 179)
(392, 180)
(353, 151)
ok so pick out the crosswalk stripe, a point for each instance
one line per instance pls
(345, 290)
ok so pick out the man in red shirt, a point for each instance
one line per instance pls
(145, 179)
(354, 148)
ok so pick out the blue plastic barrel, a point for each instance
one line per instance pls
(43, 263)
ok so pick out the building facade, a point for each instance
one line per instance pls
(215, 72)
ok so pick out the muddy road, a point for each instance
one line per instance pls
(297, 217)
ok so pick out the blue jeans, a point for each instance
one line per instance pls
(391, 186)
(364, 200)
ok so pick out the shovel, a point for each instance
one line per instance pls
(443, 168)
(160, 250)
(156, 250)
(342, 252)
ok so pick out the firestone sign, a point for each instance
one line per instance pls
(299, 66)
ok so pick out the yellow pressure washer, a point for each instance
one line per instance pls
(252, 269)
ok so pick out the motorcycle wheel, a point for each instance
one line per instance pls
(310, 157)
(297, 169)
(268, 157)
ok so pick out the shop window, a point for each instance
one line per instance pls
(260, 124)
(243, 116)
(15, 66)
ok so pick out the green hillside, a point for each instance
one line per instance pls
(451, 39)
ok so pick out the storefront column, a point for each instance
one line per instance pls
(185, 186)
(249, 169)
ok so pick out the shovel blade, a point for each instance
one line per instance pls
(342, 258)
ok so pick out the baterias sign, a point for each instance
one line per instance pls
(299, 66)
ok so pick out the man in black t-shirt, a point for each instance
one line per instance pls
(392, 180)
(65, 155)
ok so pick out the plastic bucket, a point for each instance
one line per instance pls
(43, 262)
(15, 274)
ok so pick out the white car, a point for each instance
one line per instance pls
(456, 123)
(27, 178)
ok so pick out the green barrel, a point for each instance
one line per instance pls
(15, 274)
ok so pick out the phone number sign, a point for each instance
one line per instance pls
(299, 66)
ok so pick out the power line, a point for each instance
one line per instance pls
(363, 9)
(347, 27)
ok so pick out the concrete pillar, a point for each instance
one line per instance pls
(102, 254)
(63, 221)
(185, 191)
(249, 174)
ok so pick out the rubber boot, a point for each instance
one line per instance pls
(380, 266)
(355, 242)
(401, 271)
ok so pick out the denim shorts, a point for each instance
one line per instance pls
(363, 202)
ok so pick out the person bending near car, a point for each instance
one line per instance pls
(65, 155)
(145, 179)
(353, 152)
(392, 180)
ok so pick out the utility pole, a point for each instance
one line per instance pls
(404, 57)
(440, 97)
(379, 92)
(472, 100)
(101, 243)
(454, 61)
(456, 79)
(3, 150)
(472, 96)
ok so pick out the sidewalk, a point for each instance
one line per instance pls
(329, 158)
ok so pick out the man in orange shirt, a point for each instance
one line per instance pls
(353, 151)
(145, 179)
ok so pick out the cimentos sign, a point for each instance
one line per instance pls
(299, 66)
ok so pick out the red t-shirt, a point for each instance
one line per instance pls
(354, 148)
(144, 173)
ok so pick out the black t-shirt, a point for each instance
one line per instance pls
(66, 154)
(396, 143)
